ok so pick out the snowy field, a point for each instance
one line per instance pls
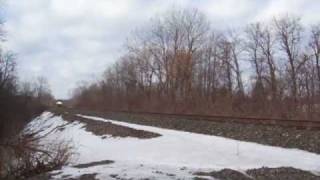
(173, 155)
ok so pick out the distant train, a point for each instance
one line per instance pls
(59, 103)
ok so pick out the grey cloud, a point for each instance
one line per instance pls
(75, 40)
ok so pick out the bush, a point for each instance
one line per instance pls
(23, 156)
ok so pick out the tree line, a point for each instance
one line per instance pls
(19, 101)
(180, 62)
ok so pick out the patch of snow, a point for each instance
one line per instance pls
(174, 152)
(205, 151)
(128, 170)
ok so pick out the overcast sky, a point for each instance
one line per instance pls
(69, 41)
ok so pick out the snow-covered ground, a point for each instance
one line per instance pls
(174, 154)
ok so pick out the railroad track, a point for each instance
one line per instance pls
(294, 123)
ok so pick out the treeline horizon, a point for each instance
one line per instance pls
(180, 63)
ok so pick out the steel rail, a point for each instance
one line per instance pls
(299, 124)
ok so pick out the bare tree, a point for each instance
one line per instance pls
(236, 51)
(267, 45)
(289, 32)
(7, 70)
(42, 91)
(315, 46)
(253, 49)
